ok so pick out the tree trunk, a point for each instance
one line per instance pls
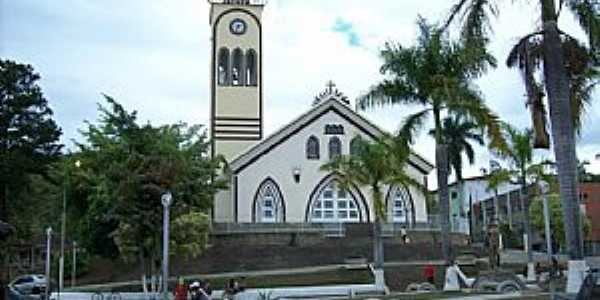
(378, 258)
(563, 134)
(3, 201)
(496, 206)
(524, 198)
(441, 159)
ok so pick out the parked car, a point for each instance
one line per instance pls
(30, 286)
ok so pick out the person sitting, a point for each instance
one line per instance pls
(205, 290)
(231, 288)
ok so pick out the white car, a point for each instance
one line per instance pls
(32, 285)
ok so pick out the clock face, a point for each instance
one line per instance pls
(237, 26)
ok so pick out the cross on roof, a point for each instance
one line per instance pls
(330, 85)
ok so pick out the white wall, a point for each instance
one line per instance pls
(281, 160)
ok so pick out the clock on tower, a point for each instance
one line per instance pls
(236, 121)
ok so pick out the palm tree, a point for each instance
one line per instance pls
(519, 153)
(568, 79)
(458, 133)
(437, 75)
(375, 164)
(495, 179)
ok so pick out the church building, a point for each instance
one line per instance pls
(277, 179)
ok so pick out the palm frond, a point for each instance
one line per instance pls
(474, 18)
(388, 92)
(471, 105)
(412, 124)
(527, 56)
(587, 13)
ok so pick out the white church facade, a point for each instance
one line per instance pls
(279, 179)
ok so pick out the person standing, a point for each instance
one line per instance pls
(180, 290)
(429, 272)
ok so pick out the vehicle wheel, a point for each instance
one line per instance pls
(508, 286)
(97, 296)
(426, 287)
(114, 296)
(413, 287)
(485, 285)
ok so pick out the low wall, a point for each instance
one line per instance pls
(262, 251)
(235, 251)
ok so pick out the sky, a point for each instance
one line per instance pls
(153, 57)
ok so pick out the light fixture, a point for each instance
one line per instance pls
(296, 173)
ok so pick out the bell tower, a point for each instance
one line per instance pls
(236, 121)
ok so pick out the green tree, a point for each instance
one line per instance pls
(28, 134)
(125, 169)
(495, 179)
(519, 153)
(28, 143)
(438, 75)
(557, 228)
(375, 164)
(458, 133)
(568, 79)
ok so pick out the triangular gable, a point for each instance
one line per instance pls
(257, 151)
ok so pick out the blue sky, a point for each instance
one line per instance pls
(153, 56)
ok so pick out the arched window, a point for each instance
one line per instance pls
(312, 148)
(334, 204)
(251, 67)
(223, 67)
(335, 147)
(400, 206)
(268, 203)
(237, 76)
(355, 145)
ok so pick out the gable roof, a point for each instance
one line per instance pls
(331, 105)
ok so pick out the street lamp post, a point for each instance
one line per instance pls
(48, 245)
(74, 266)
(544, 188)
(63, 227)
(167, 200)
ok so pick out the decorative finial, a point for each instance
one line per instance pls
(331, 92)
(330, 85)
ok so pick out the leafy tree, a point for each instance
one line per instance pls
(436, 74)
(126, 167)
(374, 165)
(568, 78)
(557, 229)
(28, 134)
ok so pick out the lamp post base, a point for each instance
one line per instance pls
(575, 275)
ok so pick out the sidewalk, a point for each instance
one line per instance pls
(494, 297)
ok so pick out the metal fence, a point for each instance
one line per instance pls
(329, 229)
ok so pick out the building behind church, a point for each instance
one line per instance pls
(277, 179)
